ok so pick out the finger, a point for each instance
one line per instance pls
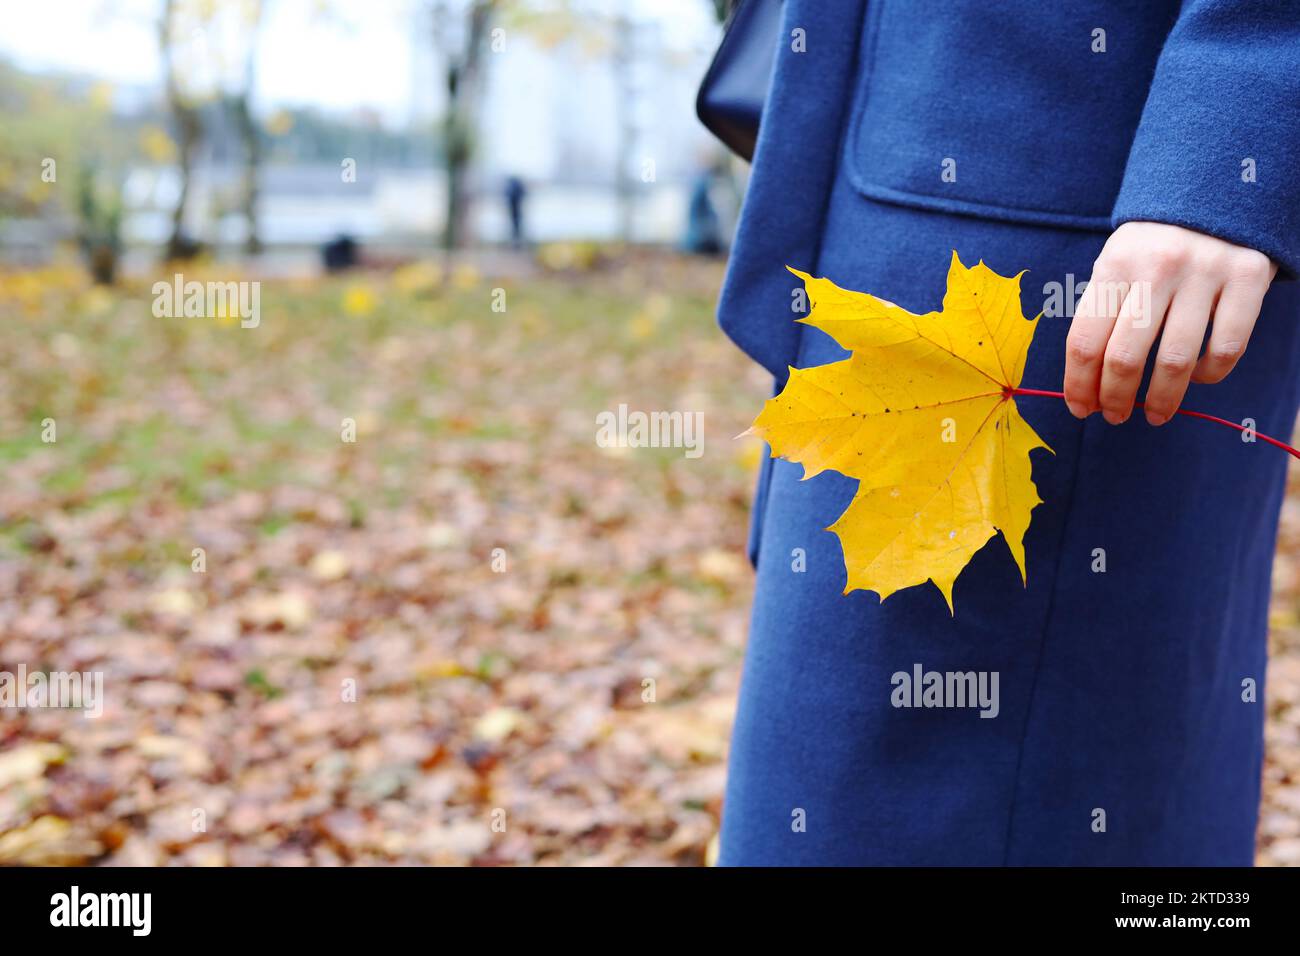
(1180, 344)
(1085, 346)
(1136, 329)
(1234, 320)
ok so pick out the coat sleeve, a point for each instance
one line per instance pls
(1218, 146)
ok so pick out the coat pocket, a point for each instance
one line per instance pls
(1012, 110)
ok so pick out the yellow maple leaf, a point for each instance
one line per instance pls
(923, 414)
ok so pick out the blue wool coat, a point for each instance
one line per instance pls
(1130, 669)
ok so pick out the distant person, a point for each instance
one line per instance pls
(516, 192)
(703, 232)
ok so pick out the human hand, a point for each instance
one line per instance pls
(1151, 275)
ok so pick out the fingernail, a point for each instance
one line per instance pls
(1155, 418)
(1112, 417)
(1077, 410)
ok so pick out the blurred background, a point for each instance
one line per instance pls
(361, 585)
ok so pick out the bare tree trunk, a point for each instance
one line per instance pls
(624, 185)
(252, 166)
(463, 76)
(189, 126)
(248, 134)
